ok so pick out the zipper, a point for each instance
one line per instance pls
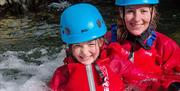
(90, 77)
(132, 57)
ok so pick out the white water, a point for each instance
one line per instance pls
(18, 74)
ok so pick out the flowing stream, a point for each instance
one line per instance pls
(30, 53)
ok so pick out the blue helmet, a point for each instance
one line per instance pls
(135, 2)
(80, 23)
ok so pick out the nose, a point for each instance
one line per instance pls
(137, 16)
(85, 51)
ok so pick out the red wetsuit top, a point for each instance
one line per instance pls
(157, 67)
(74, 76)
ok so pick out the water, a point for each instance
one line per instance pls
(30, 51)
(21, 71)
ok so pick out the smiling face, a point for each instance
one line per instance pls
(137, 18)
(87, 52)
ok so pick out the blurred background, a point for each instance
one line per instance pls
(30, 46)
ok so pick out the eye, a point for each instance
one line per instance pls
(76, 46)
(129, 11)
(144, 11)
(92, 43)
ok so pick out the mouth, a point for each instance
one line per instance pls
(136, 25)
(85, 58)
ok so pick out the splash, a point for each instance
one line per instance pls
(25, 71)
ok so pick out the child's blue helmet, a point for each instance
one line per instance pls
(135, 2)
(81, 23)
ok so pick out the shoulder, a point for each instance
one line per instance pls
(163, 40)
(166, 46)
(60, 76)
(62, 70)
(114, 45)
(108, 36)
(117, 48)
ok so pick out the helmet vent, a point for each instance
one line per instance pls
(84, 30)
(67, 31)
(98, 23)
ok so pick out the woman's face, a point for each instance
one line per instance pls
(86, 52)
(137, 18)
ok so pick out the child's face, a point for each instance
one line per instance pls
(87, 52)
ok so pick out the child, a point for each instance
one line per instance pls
(87, 65)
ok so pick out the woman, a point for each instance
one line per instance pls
(153, 53)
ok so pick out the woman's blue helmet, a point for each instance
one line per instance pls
(80, 23)
(135, 2)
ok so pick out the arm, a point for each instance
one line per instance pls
(59, 78)
(171, 57)
(119, 57)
